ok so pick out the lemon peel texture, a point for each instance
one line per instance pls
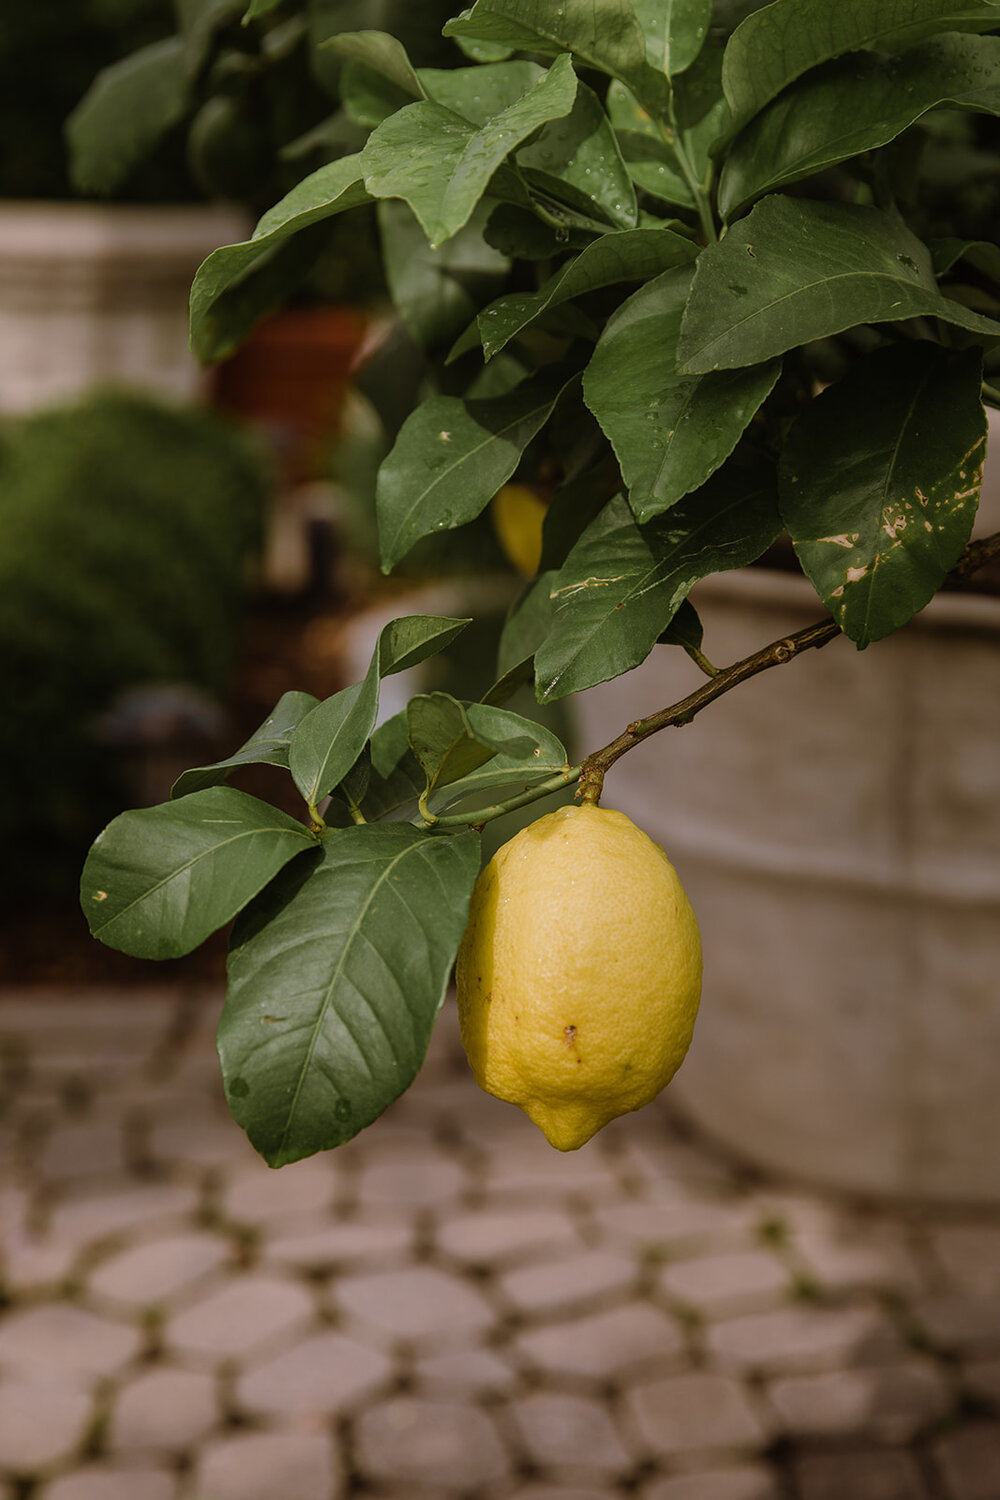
(579, 974)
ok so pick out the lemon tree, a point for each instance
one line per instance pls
(712, 278)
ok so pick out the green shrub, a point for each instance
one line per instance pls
(126, 530)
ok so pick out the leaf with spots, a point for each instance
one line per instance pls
(451, 457)
(336, 976)
(879, 483)
(159, 880)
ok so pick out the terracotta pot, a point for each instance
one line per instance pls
(289, 380)
(837, 824)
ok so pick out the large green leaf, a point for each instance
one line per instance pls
(622, 584)
(880, 480)
(675, 31)
(452, 456)
(328, 741)
(579, 152)
(441, 165)
(149, 91)
(525, 752)
(443, 740)
(794, 270)
(856, 104)
(632, 255)
(669, 431)
(603, 34)
(780, 42)
(480, 94)
(383, 54)
(267, 746)
(436, 292)
(336, 976)
(330, 190)
(159, 880)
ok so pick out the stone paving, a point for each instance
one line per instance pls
(446, 1307)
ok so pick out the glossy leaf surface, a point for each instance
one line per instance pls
(443, 739)
(441, 165)
(622, 584)
(159, 880)
(630, 256)
(793, 271)
(675, 31)
(149, 88)
(669, 431)
(880, 481)
(780, 42)
(336, 976)
(854, 105)
(450, 459)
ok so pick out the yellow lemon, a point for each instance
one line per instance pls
(518, 514)
(579, 973)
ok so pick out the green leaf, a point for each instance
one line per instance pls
(480, 94)
(632, 255)
(329, 740)
(669, 431)
(650, 159)
(685, 629)
(528, 623)
(383, 54)
(159, 880)
(436, 292)
(443, 739)
(452, 456)
(149, 91)
(779, 43)
(982, 255)
(330, 190)
(794, 270)
(336, 976)
(267, 746)
(879, 483)
(524, 752)
(606, 36)
(702, 111)
(675, 31)
(580, 152)
(853, 105)
(622, 585)
(258, 8)
(441, 165)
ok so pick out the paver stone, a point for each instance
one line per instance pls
(418, 1302)
(606, 1345)
(717, 1285)
(164, 1408)
(695, 1413)
(340, 1244)
(41, 1423)
(890, 1403)
(241, 1315)
(570, 1433)
(436, 1445)
(259, 1194)
(464, 1372)
(102, 1483)
(320, 1376)
(156, 1270)
(803, 1338)
(88, 1218)
(56, 1338)
(411, 1179)
(748, 1482)
(496, 1238)
(556, 1286)
(269, 1465)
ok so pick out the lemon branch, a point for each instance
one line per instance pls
(596, 766)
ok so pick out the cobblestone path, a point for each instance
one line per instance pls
(447, 1307)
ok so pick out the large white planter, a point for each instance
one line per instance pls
(837, 824)
(91, 293)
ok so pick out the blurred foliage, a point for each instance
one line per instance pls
(50, 51)
(126, 532)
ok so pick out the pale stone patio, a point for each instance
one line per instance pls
(447, 1307)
